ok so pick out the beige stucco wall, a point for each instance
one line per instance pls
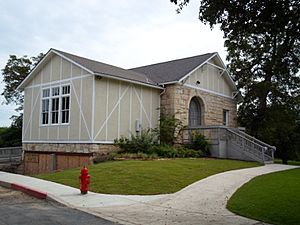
(56, 72)
(211, 78)
(176, 100)
(117, 106)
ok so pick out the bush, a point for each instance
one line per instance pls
(139, 155)
(167, 127)
(199, 142)
(145, 146)
(167, 151)
(137, 143)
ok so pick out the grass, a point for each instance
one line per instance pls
(290, 162)
(273, 198)
(146, 177)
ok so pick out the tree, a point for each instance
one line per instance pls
(14, 72)
(263, 44)
(10, 137)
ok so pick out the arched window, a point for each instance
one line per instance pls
(194, 113)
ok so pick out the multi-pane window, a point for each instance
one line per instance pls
(225, 117)
(54, 110)
(45, 106)
(55, 105)
(65, 104)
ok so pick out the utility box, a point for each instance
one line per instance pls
(138, 126)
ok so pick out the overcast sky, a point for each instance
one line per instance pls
(125, 33)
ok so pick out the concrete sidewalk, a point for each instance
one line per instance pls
(203, 202)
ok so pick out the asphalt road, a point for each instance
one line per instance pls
(19, 208)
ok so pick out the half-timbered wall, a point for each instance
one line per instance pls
(211, 79)
(101, 109)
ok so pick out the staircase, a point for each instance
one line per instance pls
(232, 143)
(249, 146)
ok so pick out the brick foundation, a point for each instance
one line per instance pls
(45, 158)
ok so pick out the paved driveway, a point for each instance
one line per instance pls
(19, 208)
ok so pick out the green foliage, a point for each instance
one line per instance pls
(263, 44)
(10, 136)
(146, 143)
(199, 142)
(167, 151)
(146, 177)
(137, 143)
(272, 198)
(135, 156)
(168, 125)
(294, 163)
(14, 72)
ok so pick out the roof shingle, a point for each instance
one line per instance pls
(172, 70)
(103, 68)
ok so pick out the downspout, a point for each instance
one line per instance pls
(164, 90)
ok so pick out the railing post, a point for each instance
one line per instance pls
(273, 150)
(264, 149)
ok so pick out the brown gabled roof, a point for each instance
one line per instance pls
(174, 70)
(106, 69)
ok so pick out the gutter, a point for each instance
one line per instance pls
(127, 80)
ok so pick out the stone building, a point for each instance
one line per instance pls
(75, 107)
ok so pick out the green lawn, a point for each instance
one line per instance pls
(273, 198)
(147, 177)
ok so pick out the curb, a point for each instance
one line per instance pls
(24, 189)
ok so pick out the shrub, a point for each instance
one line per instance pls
(139, 155)
(137, 143)
(199, 142)
(167, 128)
(167, 151)
(164, 151)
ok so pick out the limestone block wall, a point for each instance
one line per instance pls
(176, 100)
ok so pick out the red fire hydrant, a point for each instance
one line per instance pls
(84, 180)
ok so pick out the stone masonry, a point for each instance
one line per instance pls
(176, 100)
(80, 148)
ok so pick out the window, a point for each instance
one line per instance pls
(55, 105)
(54, 110)
(65, 104)
(194, 113)
(45, 106)
(225, 117)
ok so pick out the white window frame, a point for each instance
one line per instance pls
(50, 98)
(62, 95)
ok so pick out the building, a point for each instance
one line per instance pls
(75, 107)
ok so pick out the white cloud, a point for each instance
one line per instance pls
(124, 33)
